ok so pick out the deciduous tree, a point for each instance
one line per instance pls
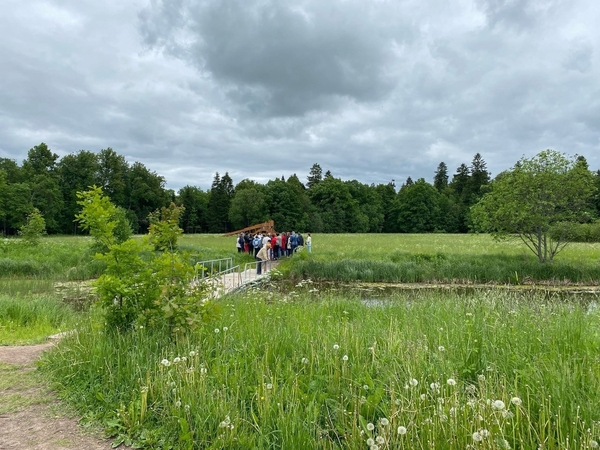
(534, 195)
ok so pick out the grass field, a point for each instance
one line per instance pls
(323, 370)
(301, 367)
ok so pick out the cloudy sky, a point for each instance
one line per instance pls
(372, 90)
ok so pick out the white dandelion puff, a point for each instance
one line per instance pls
(413, 382)
(165, 362)
(451, 382)
(384, 422)
(402, 430)
(498, 405)
(336, 347)
(516, 401)
(370, 426)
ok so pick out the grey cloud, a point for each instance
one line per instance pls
(275, 59)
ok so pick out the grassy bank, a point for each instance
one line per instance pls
(440, 258)
(315, 370)
(30, 319)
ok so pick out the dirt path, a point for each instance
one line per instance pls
(31, 417)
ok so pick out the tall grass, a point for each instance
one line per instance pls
(31, 318)
(322, 370)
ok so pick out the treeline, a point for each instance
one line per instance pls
(323, 204)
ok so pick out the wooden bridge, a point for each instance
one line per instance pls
(267, 227)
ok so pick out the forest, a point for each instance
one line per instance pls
(323, 203)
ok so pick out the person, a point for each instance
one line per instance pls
(240, 243)
(283, 244)
(308, 243)
(261, 256)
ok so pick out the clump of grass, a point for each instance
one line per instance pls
(312, 369)
(32, 318)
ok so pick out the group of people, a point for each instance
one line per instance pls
(272, 247)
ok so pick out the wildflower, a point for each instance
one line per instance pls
(401, 430)
(594, 444)
(165, 362)
(336, 347)
(507, 414)
(384, 422)
(225, 328)
(269, 386)
(374, 447)
(498, 405)
(304, 360)
(380, 440)
(176, 360)
(413, 382)
(477, 437)
(345, 358)
(225, 423)
(434, 386)
(422, 397)
(516, 401)
(366, 387)
(484, 433)
(370, 441)
(370, 426)
(217, 330)
(441, 348)
(451, 382)
(193, 353)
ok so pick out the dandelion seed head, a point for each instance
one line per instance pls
(366, 387)
(374, 447)
(380, 440)
(370, 441)
(370, 426)
(217, 330)
(336, 347)
(193, 353)
(402, 430)
(345, 358)
(422, 396)
(413, 382)
(441, 348)
(477, 437)
(384, 422)
(176, 360)
(498, 405)
(225, 328)
(594, 444)
(451, 382)
(165, 362)
(484, 433)
(516, 401)
(507, 414)
(178, 404)
(269, 386)
(304, 360)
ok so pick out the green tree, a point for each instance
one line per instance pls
(105, 222)
(370, 204)
(221, 194)
(164, 227)
(113, 176)
(17, 205)
(77, 172)
(34, 228)
(337, 209)
(387, 193)
(532, 197)
(440, 180)
(249, 205)
(418, 208)
(42, 176)
(147, 193)
(315, 175)
(195, 201)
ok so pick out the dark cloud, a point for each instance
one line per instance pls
(371, 90)
(280, 59)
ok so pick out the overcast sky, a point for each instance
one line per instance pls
(372, 90)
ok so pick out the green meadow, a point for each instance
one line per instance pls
(295, 365)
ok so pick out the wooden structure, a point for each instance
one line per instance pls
(265, 228)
